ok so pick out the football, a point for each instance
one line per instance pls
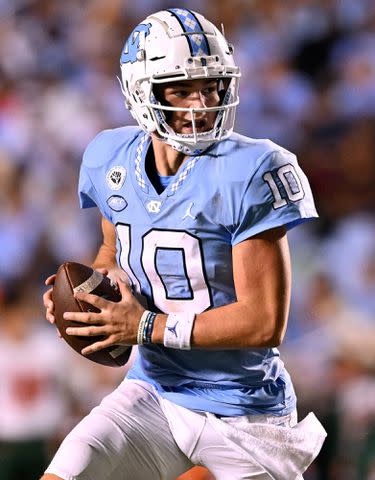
(74, 277)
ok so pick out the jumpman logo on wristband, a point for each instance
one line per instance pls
(173, 329)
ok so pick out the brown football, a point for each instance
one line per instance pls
(73, 277)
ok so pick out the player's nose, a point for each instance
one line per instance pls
(198, 100)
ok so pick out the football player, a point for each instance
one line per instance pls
(197, 217)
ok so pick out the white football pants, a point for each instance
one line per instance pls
(135, 434)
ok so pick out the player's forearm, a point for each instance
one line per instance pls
(105, 258)
(234, 326)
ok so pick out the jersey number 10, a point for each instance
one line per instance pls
(154, 241)
(285, 185)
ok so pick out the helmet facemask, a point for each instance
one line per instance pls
(196, 141)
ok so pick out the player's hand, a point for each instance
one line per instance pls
(47, 299)
(117, 322)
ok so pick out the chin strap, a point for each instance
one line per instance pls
(186, 149)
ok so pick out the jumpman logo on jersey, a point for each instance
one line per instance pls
(173, 329)
(188, 213)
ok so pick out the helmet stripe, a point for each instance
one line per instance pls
(197, 40)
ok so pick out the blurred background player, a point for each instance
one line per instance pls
(34, 394)
(207, 386)
(39, 400)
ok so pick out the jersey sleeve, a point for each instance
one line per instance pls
(86, 189)
(107, 150)
(94, 153)
(277, 194)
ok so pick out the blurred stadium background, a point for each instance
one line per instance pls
(308, 83)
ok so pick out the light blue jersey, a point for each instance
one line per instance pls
(176, 248)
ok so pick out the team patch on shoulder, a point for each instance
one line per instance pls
(116, 177)
(117, 203)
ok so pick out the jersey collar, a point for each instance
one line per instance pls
(140, 172)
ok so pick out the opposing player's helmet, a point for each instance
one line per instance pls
(176, 45)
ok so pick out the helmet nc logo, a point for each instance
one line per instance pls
(132, 45)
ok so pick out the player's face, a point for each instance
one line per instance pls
(200, 93)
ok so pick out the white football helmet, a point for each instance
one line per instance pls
(176, 45)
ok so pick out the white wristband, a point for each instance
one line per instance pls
(177, 333)
(141, 326)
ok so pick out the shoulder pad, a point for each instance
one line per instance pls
(241, 157)
(107, 143)
(258, 147)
